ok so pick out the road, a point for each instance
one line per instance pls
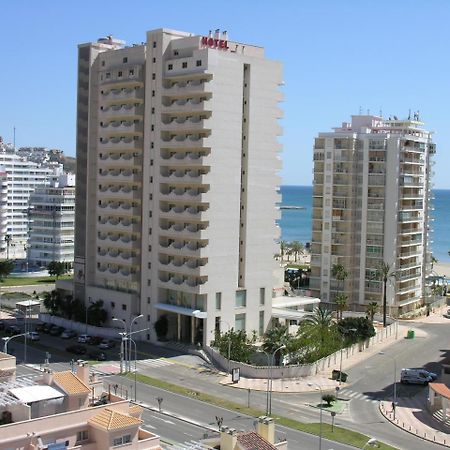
(369, 382)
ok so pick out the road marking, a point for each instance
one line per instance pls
(159, 362)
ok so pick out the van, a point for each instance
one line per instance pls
(415, 376)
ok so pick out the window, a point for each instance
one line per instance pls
(261, 323)
(154, 60)
(154, 44)
(153, 110)
(262, 296)
(217, 325)
(148, 317)
(184, 65)
(103, 63)
(124, 307)
(153, 93)
(241, 299)
(148, 300)
(198, 63)
(170, 67)
(239, 322)
(113, 305)
(119, 74)
(108, 75)
(82, 435)
(125, 60)
(218, 300)
(152, 145)
(152, 128)
(153, 76)
(175, 52)
(131, 72)
(122, 440)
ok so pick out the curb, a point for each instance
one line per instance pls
(386, 416)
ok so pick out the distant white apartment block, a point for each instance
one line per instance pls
(177, 161)
(52, 222)
(22, 178)
(372, 194)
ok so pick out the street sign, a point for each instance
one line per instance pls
(235, 375)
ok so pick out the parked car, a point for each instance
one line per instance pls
(13, 330)
(432, 375)
(107, 343)
(40, 327)
(33, 336)
(97, 356)
(77, 349)
(67, 334)
(56, 331)
(95, 340)
(46, 327)
(84, 339)
(415, 376)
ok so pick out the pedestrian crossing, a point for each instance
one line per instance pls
(158, 362)
(351, 395)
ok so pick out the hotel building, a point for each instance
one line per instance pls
(177, 161)
(52, 222)
(371, 204)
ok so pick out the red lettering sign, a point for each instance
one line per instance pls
(214, 43)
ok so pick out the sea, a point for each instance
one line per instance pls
(296, 224)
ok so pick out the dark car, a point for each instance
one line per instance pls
(97, 356)
(13, 330)
(95, 340)
(77, 349)
(40, 327)
(68, 334)
(2, 325)
(46, 327)
(107, 343)
(56, 331)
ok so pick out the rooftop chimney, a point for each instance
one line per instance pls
(83, 372)
(228, 438)
(47, 377)
(266, 428)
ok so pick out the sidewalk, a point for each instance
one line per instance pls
(322, 380)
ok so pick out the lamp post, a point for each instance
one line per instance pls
(7, 339)
(25, 316)
(320, 426)
(135, 366)
(131, 332)
(270, 361)
(395, 379)
(122, 343)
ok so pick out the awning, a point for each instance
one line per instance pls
(440, 389)
(37, 393)
(286, 301)
(176, 309)
(291, 314)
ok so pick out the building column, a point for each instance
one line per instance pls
(178, 328)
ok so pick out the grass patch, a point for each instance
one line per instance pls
(15, 295)
(29, 281)
(337, 406)
(339, 434)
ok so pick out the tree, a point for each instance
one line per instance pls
(56, 268)
(52, 302)
(97, 315)
(282, 249)
(355, 329)
(341, 304)
(296, 248)
(274, 338)
(371, 309)
(6, 267)
(161, 327)
(329, 399)
(241, 347)
(384, 274)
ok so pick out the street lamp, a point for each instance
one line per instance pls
(320, 426)
(372, 442)
(131, 332)
(135, 366)
(25, 332)
(270, 362)
(395, 379)
(7, 339)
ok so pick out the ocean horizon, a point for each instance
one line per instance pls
(296, 224)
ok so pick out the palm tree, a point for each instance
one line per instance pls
(384, 274)
(371, 309)
(319, 323)
(341, 302)
(296, 248)
(283, 245)
(274, 338)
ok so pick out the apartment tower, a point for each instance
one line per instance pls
(371, 204)
(177, 161)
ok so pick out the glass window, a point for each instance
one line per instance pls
(82, 435)
(217, 325)
(125, 60)
(170, 67)
(239, 322)
(198, 62)
(241, 299)
(184, 65)
(261, 323)
(219, 300)
(262, 296)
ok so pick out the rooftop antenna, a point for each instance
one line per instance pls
(409, 114)
(360, 110)
(381, 113)
(368, 112)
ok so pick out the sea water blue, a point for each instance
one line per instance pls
(295, 224)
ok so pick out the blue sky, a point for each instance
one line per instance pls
(338, 56)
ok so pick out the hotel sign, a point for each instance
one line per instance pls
(214, 43)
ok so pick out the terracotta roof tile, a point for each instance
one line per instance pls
(70, 383)
(252, 440)
(109, 419)
(136, 410)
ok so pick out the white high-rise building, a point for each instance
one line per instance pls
(177, 161)
(52, 222)
(371, 204)
(22, 178)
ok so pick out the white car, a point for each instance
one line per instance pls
(84, 339)
(33, 336)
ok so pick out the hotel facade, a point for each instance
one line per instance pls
(176, 193)
(371, 205)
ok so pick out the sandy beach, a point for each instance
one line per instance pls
(442, 268)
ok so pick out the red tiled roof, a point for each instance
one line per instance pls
(252, 440)
(441, 389)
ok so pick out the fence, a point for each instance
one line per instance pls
(301, 370)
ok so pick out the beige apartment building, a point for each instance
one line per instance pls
(176, 192)
(372, 204)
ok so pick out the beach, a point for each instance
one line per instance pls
(442, 268)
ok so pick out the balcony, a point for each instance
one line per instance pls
(118, 175)
(126, 111)
(185, 193)
(125, 93)
(185, 176)
(187, 105)
(188, 268)
(184, 283)
(178, 230)
(123, 127)
(122, 143)
(184, 87)
(194, 248)
(192, 141)
(183, 159)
